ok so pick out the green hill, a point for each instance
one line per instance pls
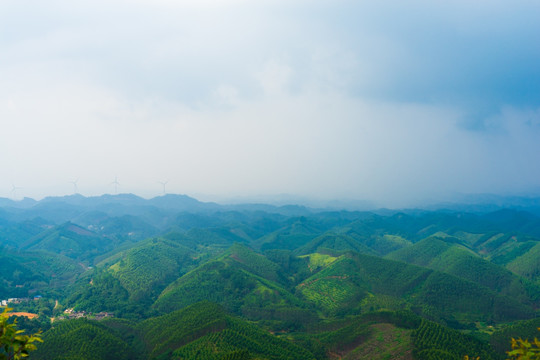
(433, 342)
(150, 266)
(82, 340)
(255, 263)
(379, 242)
(124, 228)
(424, 252)
(13, 234)
(72, 241)
(205, 331)
(22, 272)
(398, 335)
(320, 284)
(346, 282)
(528, 264)
(337, 242)
(16, 277)
(98, 291)
(291, 236)
(526, 329)
(240, 279)
(447, 255)
(130, 281)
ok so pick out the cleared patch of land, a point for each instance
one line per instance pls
(386, 342)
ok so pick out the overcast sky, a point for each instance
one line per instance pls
(388, 101)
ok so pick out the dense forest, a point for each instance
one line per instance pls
(121, 277)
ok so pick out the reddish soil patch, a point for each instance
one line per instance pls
(79, 230)
(235, 257)
(25, 314)
(382, 343)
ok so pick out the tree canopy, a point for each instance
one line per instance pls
(14, 344)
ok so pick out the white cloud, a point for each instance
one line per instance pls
(234, 98)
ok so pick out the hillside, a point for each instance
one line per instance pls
(241, 280)
(149, 266)
(180, 278)
(338, 242)
(22, 272)
(527, 265)
(71, 240)
(448, 255)
(344, 283)
(205, 331)
(83, 340)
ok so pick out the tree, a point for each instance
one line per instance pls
(525, 350)
(14, 344)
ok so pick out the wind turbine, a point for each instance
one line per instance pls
(164, 183)
(115, 183)
(14, 191)
(75, 188)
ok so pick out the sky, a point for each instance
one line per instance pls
(393, 102)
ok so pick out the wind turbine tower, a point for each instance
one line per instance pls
(75, 188)
(116, 184)
(14, 191)
(164, 183)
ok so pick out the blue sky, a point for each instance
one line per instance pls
(392, 102)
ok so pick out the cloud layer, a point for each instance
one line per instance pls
(391, 103)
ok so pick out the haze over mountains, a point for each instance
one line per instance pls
(392, 102)
(385, 126)
(172, 277)
(471, 202)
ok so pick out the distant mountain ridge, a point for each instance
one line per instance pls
(66, 208)
(473, 203)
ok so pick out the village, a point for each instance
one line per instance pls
(5, 303)
(68, 314)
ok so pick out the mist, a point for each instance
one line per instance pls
(394, 104)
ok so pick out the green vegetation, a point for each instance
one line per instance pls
(318, 261)
(148, 267)
(234, 280)
(525, 349)
(385, 342)
(100, 291)
(82, 339)
(72, 241)
(205, 331)
(335, 242)
(526, 329)
(259, 282)
(24, 271)
(444, 254)
(527, 265)
(14, 344)
(291, 236)
(433, 341)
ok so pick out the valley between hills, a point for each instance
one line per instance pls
(121, 277)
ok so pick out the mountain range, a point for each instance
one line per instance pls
(183, 279)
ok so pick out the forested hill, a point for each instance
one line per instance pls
(172, 277)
